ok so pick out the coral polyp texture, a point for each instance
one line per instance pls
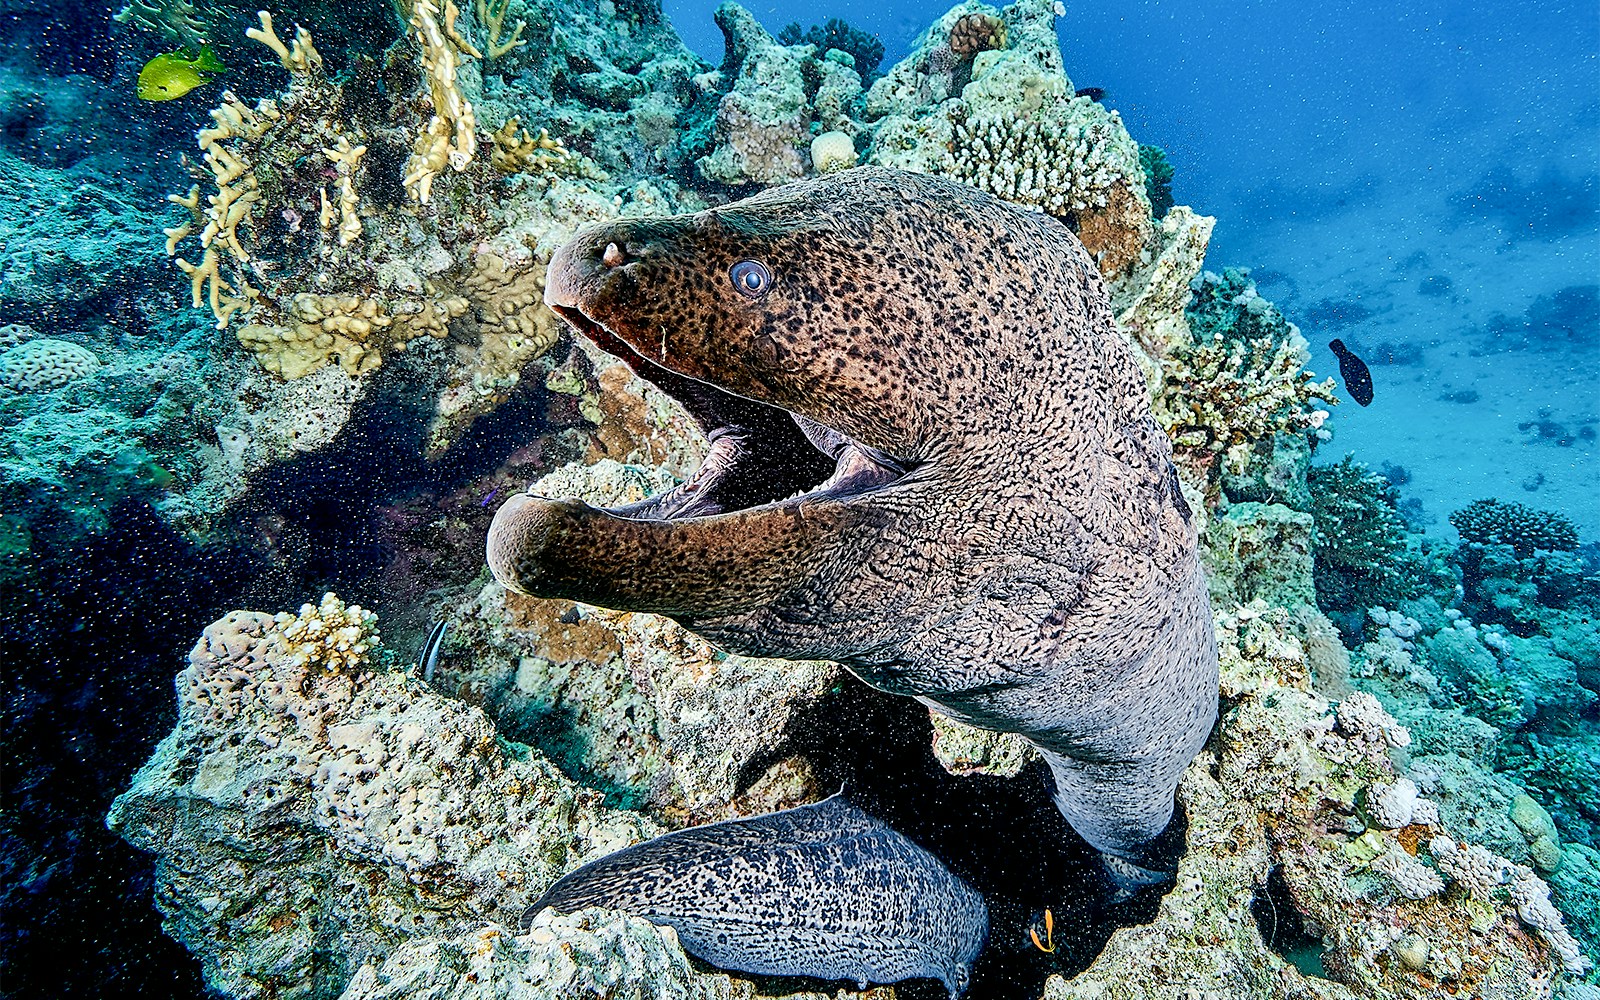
(330, 634)
(1496, 522)
(44, 364)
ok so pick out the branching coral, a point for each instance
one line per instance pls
(331, 635)
(493, 18)
(525, 154)
(1359, 538)
(1493, 522)
(977, 32)
(449, 138)
(1065, 161)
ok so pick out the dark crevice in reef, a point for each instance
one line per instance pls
(1282, 927)
(94, 627)
(90, 647)
(1003, 835)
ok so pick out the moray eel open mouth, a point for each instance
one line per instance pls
(777, 490)
(760, 454)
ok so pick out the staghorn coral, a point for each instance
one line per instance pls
(43, 364)
(977, 32)
(331, 635)
(1494, 522)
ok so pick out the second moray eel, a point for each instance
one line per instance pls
(932, 460)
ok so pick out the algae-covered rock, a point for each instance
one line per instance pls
(306, 821)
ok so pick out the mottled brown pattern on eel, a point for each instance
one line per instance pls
(1003, 538)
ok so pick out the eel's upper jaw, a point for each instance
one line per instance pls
(761, 455)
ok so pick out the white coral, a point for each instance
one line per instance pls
(1531, 897)
(40, 365)
(1414, 879)
(1391, 804)
(1476, 869)
(332, 635)
(1368, 732)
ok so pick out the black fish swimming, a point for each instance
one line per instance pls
(1092, 93)
(1357, 376)
(825, 891)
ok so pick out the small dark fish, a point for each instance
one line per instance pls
(825, 891)
(428, 656)
(1357, 376)
(490, 498)
(1092, 93)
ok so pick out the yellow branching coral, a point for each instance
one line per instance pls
(525, 154)
(346, 158)
(302, 58)
(354, 330)
(449, 137)
(493, 17)
(1220, 397)
(331, 635)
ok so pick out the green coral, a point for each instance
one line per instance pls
(864, 48)
(1358, 537)
(1493, 522)
(1157, 178)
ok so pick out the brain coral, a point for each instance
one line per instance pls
(44, 364)
(1492, 522)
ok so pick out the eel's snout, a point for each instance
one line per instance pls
(525, 530)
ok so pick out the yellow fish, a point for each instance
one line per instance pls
(172, 74)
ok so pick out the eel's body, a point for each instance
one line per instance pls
(1001, 532)
(824, 890)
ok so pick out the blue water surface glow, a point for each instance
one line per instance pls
(1421, 180)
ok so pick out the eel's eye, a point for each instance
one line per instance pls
(751, 277)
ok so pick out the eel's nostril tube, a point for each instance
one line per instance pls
(613, 255)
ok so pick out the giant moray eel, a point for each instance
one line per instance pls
(824, 890)
(932, 460)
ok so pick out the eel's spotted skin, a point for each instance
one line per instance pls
(1035, 572)
(824, 890)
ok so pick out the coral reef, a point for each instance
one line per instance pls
(864, 49)
(1359, 538)
(1157, 178)
(774, 98)
(1240, 381)
(362, 809)
(1493, 522)
(1276, 841)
